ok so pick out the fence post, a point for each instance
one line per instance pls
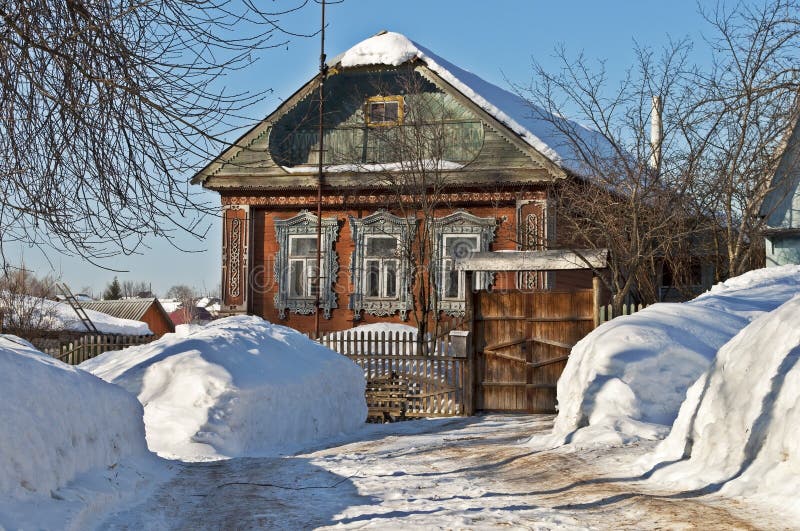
(469, 366)
(596, 300)
(461, 347)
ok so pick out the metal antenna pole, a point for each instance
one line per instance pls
(323, 71)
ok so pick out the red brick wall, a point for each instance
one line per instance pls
(264, 248)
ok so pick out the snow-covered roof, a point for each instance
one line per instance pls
(531, 123)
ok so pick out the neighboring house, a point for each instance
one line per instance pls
(148, 311)
(497, 160)
(196, 315)
(781, 207)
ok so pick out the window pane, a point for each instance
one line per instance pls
(376, 112)
(460, 246)
(313, 286)
(451, 284)
(391, 278)
(373, 280)
(381, 246)
(390, 111)
(296, 279)
(303, 246)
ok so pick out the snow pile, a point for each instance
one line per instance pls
(628, 378)
(239, 386)
(60, 426)
(739, 424)
(530, 122)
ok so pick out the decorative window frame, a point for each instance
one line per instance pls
(383, 99)
(381, 223)
(459, 223)
(305, 224)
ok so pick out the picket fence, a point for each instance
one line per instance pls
(607, 312)
(77, 349)
(406, 378)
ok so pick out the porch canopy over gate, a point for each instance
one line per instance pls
(550, 260)
(521, 340)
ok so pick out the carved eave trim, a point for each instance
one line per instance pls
(293, 200)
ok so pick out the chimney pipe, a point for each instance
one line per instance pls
(656, 132)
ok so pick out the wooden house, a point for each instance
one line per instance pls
(148, 311)
(781, 207)
(391, 109)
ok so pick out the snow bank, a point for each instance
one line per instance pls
(60, 425)
(522, 117)
(61, 316)
(739, 424)
(628, 378)
(239, 386)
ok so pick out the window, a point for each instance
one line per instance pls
(381, 264)
(380, 268)
(457, 236)
(296, 265)
(455, 246)
(303, 266)
(384, 111)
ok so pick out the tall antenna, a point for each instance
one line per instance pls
(323, 72)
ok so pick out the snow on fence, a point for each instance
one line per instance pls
(607, 312)
(77, 349)
(425, 379)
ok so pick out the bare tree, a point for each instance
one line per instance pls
(624, 191)
(187, 297)
(104, 108)
(131, 289)
(26, 306)
(745, 106)
(410, 152)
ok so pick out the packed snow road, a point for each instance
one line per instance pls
(447, 473)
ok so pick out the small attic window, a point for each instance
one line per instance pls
(383, 111)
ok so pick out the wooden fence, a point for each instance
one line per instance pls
(606, 313)
(407, 378)
(77, 349)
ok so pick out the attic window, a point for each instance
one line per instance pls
(384, 111)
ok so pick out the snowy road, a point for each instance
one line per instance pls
(448, 473)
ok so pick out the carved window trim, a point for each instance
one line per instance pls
(381, 223)
(459, 223)
(305, 224)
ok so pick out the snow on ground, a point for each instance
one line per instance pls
(70, 443)
(454, 473)
(239, 386)
(737, 430)
(628, 378)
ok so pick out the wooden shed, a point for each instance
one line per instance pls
(148, 311)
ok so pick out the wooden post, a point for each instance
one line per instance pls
(469, 365)
(596, 300)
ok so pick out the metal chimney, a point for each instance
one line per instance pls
(656, 131)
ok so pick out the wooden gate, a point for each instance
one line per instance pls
(522, 341)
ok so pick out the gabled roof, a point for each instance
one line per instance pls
(520, 118)
(126, 308)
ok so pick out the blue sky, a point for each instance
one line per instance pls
(495, 40)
